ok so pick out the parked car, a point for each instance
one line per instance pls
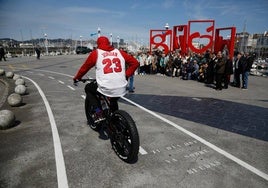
(82, 50)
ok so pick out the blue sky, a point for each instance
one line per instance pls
(129, 19)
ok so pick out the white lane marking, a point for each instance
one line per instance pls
(61, 82)
(52, 78)
(60, 165)
(212, 146)
(71, 87)
(142, 151)
(54, 72)
(197, 99)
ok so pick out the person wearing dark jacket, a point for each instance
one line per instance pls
(246, 66)
(176, 66)
(37, 51)
(237, 70)
(210, 69)
(220, 69)
(228, 71)
(2, 54)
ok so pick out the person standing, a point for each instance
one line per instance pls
(37, 51)
(131, 79)
(210, 68)
(237, 70)
(2, 54)
(228, 71)
(220, 68)
(162, 64)
(246, 66)
(176, 65)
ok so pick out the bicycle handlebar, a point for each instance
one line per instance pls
(84, 80)
(87, 79)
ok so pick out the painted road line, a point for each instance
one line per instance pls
(196, 99)
(142, 151)
(71, 87)
(212, 146)
(61, 82)
(60, 164)
(52, 78)
(54, 72)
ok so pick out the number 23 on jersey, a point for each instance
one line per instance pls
(111, 65)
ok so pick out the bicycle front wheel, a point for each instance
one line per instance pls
(124, 136)
(89, 114)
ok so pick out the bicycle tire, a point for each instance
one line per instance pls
(90, 120)
(124, 138)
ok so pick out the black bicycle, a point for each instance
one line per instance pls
(118, 125)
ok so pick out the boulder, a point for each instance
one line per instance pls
(9, 74)
(20, 89)
(20, 81)
(7, 119)
(2, 72)
(16, 76)
(14, 99)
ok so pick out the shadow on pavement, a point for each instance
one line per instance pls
(238, 118)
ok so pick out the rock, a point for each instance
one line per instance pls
(14, 99)
(20, 81)
(2, 72)
(7, 119)
(20, 89)
(9, 74)
(16, 76)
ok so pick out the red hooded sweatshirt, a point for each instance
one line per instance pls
(104, 44)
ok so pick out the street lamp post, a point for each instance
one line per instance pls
(99, 32)
(81, 40)
(46, 43)
(167, 27)
(111, 39)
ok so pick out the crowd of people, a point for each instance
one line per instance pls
(210, 68)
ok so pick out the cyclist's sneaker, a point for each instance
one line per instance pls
(98, 116)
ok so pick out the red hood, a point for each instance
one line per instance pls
(104, 44)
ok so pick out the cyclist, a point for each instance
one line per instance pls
(113, 68)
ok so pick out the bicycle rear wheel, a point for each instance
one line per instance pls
(124, 136)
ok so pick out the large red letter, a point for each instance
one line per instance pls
(180, 41)
(161, 39)
(196, 35)
(229, 42)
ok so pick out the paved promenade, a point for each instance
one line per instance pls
(191, 135)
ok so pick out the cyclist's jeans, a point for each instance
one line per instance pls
(91, 91)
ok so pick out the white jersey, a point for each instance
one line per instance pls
(110, 73)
